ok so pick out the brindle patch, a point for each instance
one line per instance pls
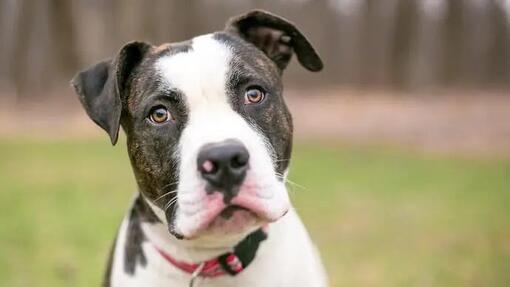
(152, 149)
(251, 67)
(133, 252)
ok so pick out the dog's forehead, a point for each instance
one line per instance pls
(199, 71)
(204, 68)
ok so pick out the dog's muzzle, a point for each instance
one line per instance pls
(223, 166)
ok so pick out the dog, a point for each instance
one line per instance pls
(209, 138)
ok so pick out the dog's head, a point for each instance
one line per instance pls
(208, 133)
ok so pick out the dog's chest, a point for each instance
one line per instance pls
(279, 262)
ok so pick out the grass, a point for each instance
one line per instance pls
(381, 217)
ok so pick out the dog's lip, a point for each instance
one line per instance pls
(229, 210)
(226, 212)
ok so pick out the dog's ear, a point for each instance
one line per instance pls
(277, 37)
(101, 86)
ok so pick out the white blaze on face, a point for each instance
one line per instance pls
(201, 75)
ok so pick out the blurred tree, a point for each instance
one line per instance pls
(453, 42)
(18, 61)
(380, 27)
(424, 57)
(499, 61)
(404, 37)
(63, 37)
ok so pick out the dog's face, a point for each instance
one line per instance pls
(209, 135)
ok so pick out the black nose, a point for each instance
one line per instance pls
(223, 165)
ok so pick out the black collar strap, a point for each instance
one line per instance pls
(245, 252)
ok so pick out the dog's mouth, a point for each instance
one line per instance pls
(211, 215)
(232, 219)
(229, 211)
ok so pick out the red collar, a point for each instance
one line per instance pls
(208, 268)
(231, 263)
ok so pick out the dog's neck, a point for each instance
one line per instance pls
(194, 250)
(183, 250)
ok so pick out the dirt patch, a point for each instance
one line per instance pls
(453, 121)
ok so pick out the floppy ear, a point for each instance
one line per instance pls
(101, 86)
(277, 37)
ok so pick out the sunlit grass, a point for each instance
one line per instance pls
(380, 217)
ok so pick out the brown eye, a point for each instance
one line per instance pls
(254, 96)
(159, 115)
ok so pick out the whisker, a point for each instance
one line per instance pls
(290, 182)
(170, 203)
(295, 184)
(165, 194)
(172, 183)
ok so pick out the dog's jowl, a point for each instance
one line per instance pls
(210, 138)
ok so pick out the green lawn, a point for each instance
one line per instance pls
(381, 217)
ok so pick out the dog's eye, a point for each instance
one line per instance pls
(159, 115)
(254, 95)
